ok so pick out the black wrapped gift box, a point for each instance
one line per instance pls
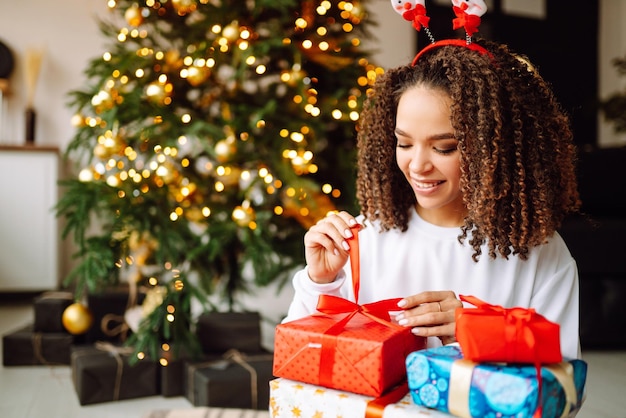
(173, 378)
(24, 347)
(240, 381)
(108, 308)
(219, 332)
(49, 308)
(102, 373)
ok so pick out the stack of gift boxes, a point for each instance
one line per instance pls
(508, 364)
(347, 360)
(359, 376)
(235, 371)
(232, 371)
(351, 361)
(45, 341)
(99, 363)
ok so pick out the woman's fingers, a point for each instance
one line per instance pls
(334, 228)
(326, 246)
(446, 298)
(430, 314)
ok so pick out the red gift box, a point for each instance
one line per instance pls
(349, 347)
(491, 333)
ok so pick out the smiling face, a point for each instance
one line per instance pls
(428, 156)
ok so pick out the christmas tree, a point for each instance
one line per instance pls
(210, 136)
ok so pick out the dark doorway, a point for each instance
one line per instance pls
(563, 46)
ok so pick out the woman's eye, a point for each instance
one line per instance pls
(446, 151)
(400, 145)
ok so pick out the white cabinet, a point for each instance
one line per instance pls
(29, 238)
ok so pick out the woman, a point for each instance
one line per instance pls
(465, 172)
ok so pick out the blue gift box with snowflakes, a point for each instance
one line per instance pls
(440, 378)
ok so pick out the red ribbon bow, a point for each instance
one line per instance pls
(417, 16)
(516, 328)
(520, 329)
(378, 311)
(334, 305)
(464, 20)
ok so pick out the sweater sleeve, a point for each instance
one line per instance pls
(557, 299)
(307, 292)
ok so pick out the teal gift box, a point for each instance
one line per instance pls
(440, 378)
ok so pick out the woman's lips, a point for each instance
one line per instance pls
(426, 185)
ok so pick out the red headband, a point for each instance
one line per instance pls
(453, 42)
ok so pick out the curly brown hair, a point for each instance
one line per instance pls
(518, 174)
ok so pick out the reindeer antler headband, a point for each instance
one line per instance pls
(467, 12)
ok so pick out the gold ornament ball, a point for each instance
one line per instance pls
(77, 318)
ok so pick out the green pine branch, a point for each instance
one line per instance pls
(154, 146)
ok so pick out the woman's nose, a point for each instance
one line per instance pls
(420, 162)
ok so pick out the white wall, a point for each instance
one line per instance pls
(394, 39)
(67, 31)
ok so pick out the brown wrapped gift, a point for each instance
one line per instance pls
(49, 308)
(234, 380)
(102, 373)
(219, 332)
(25, 347)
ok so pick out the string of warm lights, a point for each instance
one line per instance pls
(120, 162)
(225, 127)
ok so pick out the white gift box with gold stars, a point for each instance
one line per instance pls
(291, 399)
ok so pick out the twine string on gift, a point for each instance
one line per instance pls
(117, 353)
(232, 355)
(121, 329)
(239, 358)
(36, 340)
(57, 295)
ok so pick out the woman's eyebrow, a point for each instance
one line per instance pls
(447, 135)
(441, 136)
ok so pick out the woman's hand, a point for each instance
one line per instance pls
(326, 246)
(431, 314)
